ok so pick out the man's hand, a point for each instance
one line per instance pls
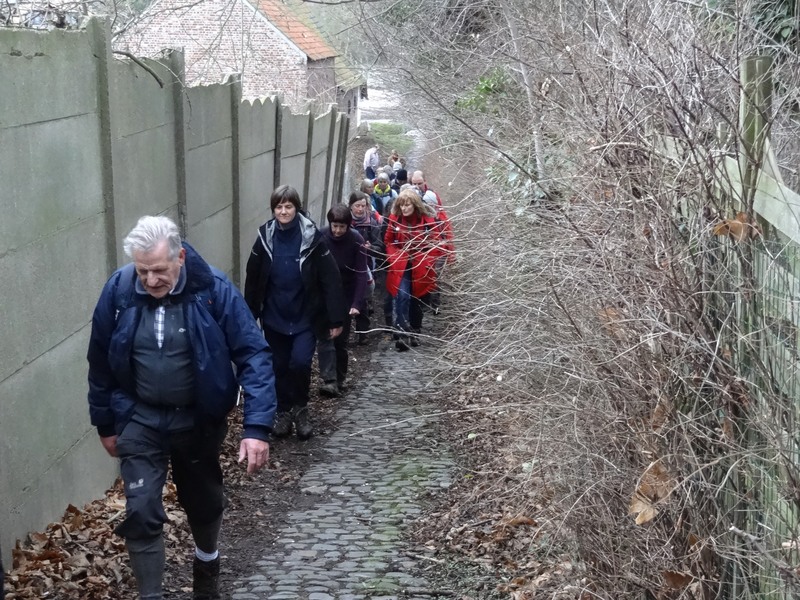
(110, 444)
(335, 331)
(354, 312)
(256, 452)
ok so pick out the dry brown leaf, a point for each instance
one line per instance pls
(740, 228)
(520, 520)
(643, 509)
(676, 580)
(655, 485)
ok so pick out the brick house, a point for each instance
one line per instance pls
(264, 40)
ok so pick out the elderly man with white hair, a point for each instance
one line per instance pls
(165, 333)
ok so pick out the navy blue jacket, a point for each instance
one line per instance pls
(221, 331)
(325, 305)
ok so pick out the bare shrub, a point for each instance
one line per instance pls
(608, 283)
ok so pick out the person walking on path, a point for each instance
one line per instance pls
(412, 248)
(366, 223)
(347, 247)
(293, 285)
(383, 195)
(164, 334)
(372, 159)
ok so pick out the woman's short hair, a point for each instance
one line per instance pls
(285, 193)
(365, 184)
(340, 213)
(357, 196)
(411, 197)
(149, 233)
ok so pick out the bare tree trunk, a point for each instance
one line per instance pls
(535, 120)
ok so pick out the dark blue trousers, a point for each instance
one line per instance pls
(291, 362)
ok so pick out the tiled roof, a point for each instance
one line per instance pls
(302, 36)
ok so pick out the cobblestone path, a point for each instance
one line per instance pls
(365, 487)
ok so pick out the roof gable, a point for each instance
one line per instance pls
(302, 36)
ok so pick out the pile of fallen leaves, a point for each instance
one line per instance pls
(80, 556)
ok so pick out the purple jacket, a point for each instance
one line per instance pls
(348, 251)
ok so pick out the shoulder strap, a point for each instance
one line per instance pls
(123, 292)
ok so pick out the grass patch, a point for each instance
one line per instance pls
(391, 136)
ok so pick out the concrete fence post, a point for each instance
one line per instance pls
(276, 175)
(344, 126)
(235, 83)
(311, 116)
(100, 33)
(177, 66)
(327, 190)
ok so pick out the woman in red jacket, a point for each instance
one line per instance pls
(412, 247)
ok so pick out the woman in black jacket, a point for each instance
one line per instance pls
(293, 286)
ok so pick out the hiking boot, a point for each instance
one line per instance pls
(402, 343)
(206, 579)
(414, 340)
(302, 423)
(282, 426)
(329, 389)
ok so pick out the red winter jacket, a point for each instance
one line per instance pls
(414, 239)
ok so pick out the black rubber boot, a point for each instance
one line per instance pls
(282, 426)
(206, 579)
(302, 423)
(329, 389)
(147, 563)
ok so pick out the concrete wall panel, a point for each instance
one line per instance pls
(209, 185)
(317, 203)
(294, 133)
(39, 78)
(317, 206)
(55, 284)
(207, 112)
(57, 163)
(211, 237)
(147, 183)
(139, 102)
(255, 187)
(293, 172)
(51, 454)
(321, 133)
(143, 145)
(257, 127)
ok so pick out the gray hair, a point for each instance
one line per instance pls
(149, 233)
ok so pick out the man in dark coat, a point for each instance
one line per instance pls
(165, 332)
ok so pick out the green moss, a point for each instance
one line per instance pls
(391, 136)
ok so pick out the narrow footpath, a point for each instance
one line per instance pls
(366, 484)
